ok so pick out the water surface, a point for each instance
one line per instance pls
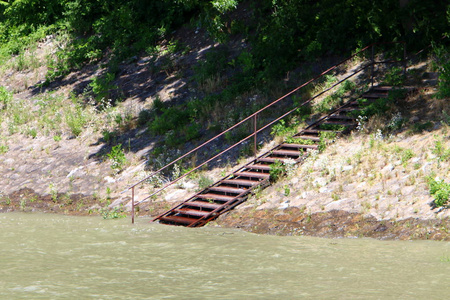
(45, 256)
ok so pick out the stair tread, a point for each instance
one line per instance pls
(203, 204)
(252, 174)
(342, 117)
(307, 137)
(375, 95)
(178, 219)
(215, 197)
(227, 189)
(259, 167)
(272, 159)
(192, 212)
(245, 182)
(300, 146)
(287, 152)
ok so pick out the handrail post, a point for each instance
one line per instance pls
(132, 205)
(254, 135)
(373, 66)
(404, 59)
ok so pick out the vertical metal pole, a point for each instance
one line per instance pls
(404, 59)
(254, 134)
(132, 205)
(373, 65)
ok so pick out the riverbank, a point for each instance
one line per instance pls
(291, 221)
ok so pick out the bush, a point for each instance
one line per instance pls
(117, 157)
(440, 190)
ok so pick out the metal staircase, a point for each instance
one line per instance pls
(235, 188)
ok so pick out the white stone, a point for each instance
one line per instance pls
(415, 160)
(71, 173)
(320, 181)
(388, 168)
(109, 179)
(347, 168)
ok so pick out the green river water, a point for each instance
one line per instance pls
(46, 256)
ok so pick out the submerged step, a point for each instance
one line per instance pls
(178, 220)
(192, 212)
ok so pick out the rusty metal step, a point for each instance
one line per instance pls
(253, 174)
(178, 220)
(293, 153)
(192, 212)
(259, 167)
(238, 182)
(271, 159)
(374, 95)
(314, 132)
(227, 189)
(341, 117)
(308, 137)
(337, 122)
(203, 204)
(300, 146)
(209, 196)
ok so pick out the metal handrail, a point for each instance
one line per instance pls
(254, 116)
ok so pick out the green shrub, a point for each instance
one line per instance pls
(5, 98)
(204, 182)
(440, 190)
(277, 169)
(117, 157)
(394, 77)
(172, 118)
(76, 120)
(440, 151)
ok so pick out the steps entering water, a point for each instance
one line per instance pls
(235, 188)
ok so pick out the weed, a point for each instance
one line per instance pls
(3, 148)
(440, 151)
(440, 190)
(394, 77)
(204, 182)
(277, 169)
(287, 190)
(114, 213)
(407, 154)
(117, 157)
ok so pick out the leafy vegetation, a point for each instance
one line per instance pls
(440, 190)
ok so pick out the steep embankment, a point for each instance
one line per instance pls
(73, 144)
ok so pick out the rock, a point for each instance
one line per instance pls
(325, 190)
(71, 173)
(320, 181)
(109, 179)
(388, 168)
(347, 168)
(284, 205)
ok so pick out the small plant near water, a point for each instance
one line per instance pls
(114, 213)
(117, 157)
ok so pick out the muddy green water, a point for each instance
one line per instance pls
(60, 257)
